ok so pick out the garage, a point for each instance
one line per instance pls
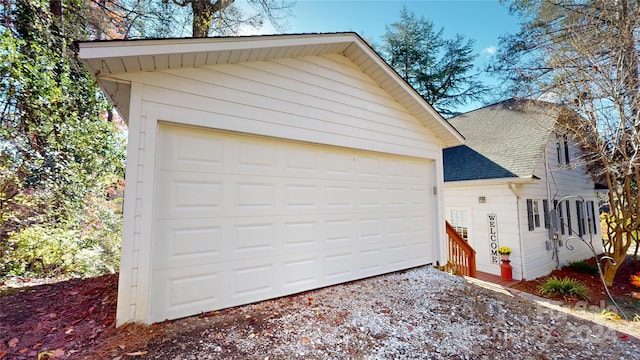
(264, 166)
(243, 218)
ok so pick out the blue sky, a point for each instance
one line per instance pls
(482, 20)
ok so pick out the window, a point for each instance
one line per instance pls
(566, 149)
(562, 150)
(460, 223)
(533, 214)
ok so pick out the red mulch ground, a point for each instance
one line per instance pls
(75, 319)
(620, 290)
(72, 319)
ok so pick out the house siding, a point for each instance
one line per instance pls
(562, 181)
(499, 200)
(530, 258)
(319, 99)
(322, 99)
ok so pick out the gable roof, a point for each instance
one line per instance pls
(107, 59)
(503, 140)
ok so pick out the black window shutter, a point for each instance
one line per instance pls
(558, 206)
(566, 150)
(545, 207)
(530, 214)
(579, 216)
(568, 206)
(595, 217)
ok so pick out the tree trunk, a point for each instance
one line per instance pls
(622, 241)
(202, 18)
(55, 6)
(610, 271)
(203, 11)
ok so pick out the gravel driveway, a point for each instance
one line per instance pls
(422, 313)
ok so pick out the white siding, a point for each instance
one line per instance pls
(563, 181)
(316, 99)
(128, 283)
(499, 200)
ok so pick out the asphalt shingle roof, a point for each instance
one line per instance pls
(503, 140)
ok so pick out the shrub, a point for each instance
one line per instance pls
(49, 251)
(88, 244)
(583, 267)
(564, 287)
(42, 251)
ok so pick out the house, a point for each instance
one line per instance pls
(506, 184)
(263, 166)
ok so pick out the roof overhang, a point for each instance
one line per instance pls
(108, 60)
(489, 182)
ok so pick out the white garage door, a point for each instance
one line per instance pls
(242, 218)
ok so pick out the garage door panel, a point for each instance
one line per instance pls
(264, 218)
(279, 275)
(300, 273)
(188, 195)
(369, 196)
(254, 154)
(339, 230)
(417, 172)
(397, 225)
(252, 279)
(202, 288)
(370, 229)
(301, 195)
(302, 161)
(255, 195)
(339, 265)
(370, 167)
(397, 253)
(370, 249)
(418, 198)
(419, 254)
(188, 243)
(395, 171)
(212, 287)
(338, 196)
(254, 237)
(180, 292)
(300, 233)
(204, 155)
(396, 197)
(193, 196)
(199, 241)
(370, 261)
(420, 225)
(338, 165)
